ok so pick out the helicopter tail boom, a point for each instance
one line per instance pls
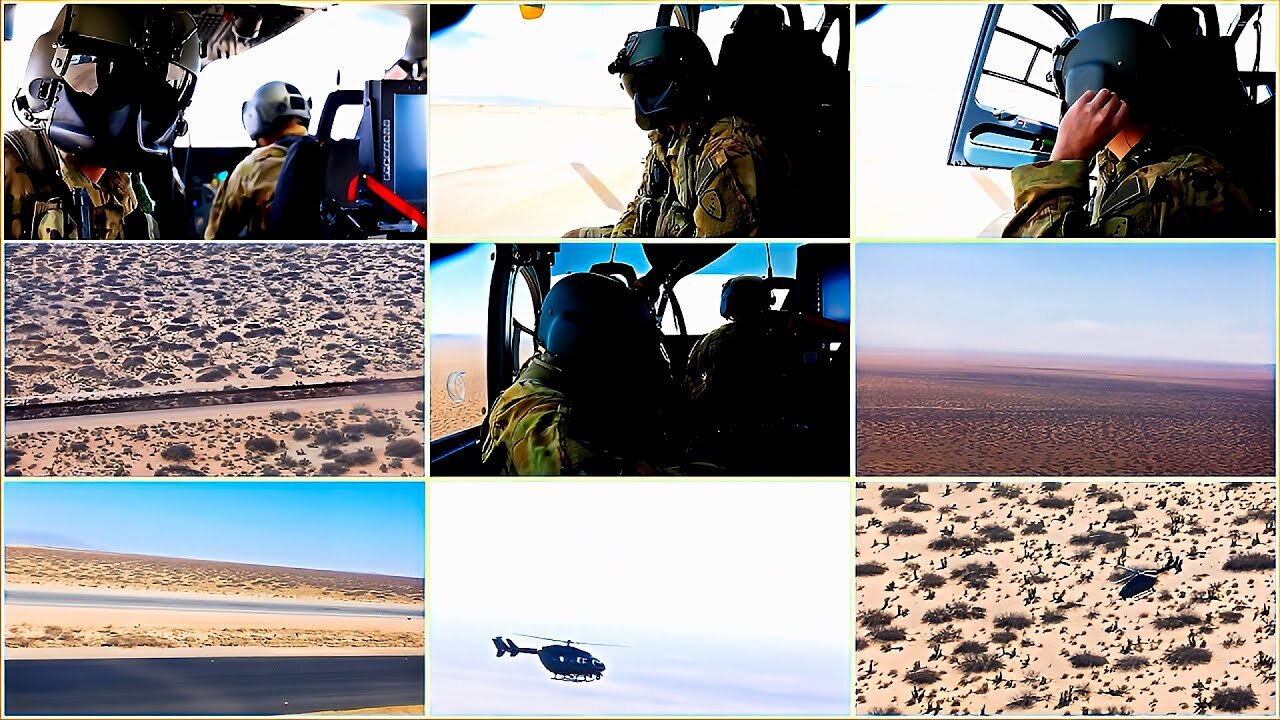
(505, 646)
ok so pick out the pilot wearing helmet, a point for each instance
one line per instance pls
(706, 175)
(564, 414)
(104, 94)
(1119, 113)
(276, 118)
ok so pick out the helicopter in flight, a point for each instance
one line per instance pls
(1138, 582)
(564, 660)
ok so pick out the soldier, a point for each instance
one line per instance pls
(1152, 180)
(589, 403)
(276, 118)
(706, 175)
(103, 95)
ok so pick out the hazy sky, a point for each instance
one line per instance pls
(496, 57)
(1211, 302)
(362, 42)
(733, 597)
(355, 526)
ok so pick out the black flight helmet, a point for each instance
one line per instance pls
(745, 297)
(110, 82)
(1126, 56)
(667, 71)
(595, 325)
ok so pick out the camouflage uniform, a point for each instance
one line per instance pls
(536, 429)
(36, 209)
(1160, 189)
(698, 183)
(244, 200)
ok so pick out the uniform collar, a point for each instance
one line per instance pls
(114, 187)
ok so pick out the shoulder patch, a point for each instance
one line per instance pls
(711, 205)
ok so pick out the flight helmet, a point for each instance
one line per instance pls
(1127, 56)
(745, 296)
(270, 104)
(667, 71)
(593, 322)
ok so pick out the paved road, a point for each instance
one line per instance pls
(210, 686)
(157, 601)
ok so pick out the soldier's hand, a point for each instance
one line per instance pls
(1089, 125)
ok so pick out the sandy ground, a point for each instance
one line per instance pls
(122, 320)
(944, 414)
(452, 354)
(417, 710)
(528, 171)
(1029, 618)
(61, 568)
(143, 443)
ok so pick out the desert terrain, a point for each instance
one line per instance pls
(1005, 598)
(451, 354)
(147, 328)
(506, 171)
(375, 435)
(98, 602)
(938, 414)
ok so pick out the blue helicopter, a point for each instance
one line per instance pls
(564, 660)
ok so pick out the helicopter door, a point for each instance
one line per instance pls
(1009, 111)
(521, 278)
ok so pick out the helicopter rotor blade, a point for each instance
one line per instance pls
(569, 642)
(539, 637)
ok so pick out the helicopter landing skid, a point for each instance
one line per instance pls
(577, 678)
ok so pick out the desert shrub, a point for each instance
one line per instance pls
(330, 453)
(870, 569)
(333, 468)
(1087, 660)
(178, 471)
(892, 501)
(902, 527)
(1034, 528)
(1173, 622)
(1025, 700)
(301, 433)
(971, 647)
(957, 542)
(177, 452)
(1108, 496)
(975, 575)
(361, 410)
(1003, 637)
(1121, 514)
(860, 643)
(404, 448)
(937, 616)
(1007, 491)
(863, 510)
(1052, 617)
(1263, 515)
(261, 444)
(1053, 502)
(1230, 617)
(889, 634)
(355, 458)
(1051, 487)
(917, 506)
(885, 711)
(1038, 579)
(286, 415)
(378, 427)
(1105, 538)
(1236, 699)
(330, 436)
(996, 533)
(1013, 621)
(980, 663)
(929, 581)
(1250, 561)
(876, 618)
(965, 611)
(1187, 655)
(923, 676)
(945, 635)
(1129, 663)
(79, 446)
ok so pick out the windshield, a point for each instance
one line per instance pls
(359, 42)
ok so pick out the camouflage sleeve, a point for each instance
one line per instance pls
(1047, 198)
(726, 189)
(18, 191)
(695, 373)
(1190, 196)
(626, 225)
(227, 216)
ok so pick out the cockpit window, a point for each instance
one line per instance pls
(459, 302)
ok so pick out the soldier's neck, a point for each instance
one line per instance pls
(91, 172)
(1126, 140)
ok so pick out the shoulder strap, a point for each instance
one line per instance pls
(32, 148)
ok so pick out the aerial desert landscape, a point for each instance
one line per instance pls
(1074, 598)
(947, 414)
(457, 383)
(214, 359)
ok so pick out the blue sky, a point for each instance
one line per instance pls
(358, 526)
(1209, 302)
(460, 283)
(733, 598)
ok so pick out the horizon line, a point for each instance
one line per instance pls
(229, 562)
(1085, 356)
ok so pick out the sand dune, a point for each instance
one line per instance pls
(1005, 598)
